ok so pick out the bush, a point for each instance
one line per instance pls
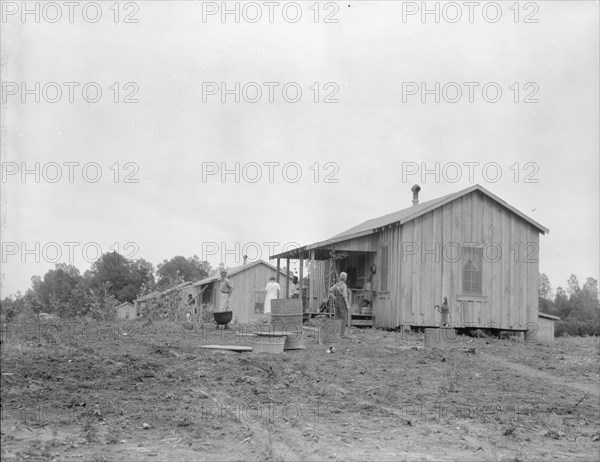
(575, 328)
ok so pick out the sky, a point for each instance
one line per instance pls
(136, 142)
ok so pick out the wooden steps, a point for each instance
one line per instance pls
(361, 320)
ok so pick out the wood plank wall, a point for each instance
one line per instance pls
(419, 280)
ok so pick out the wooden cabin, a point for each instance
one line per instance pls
(248, 297)
(126, 310)
(469, 246)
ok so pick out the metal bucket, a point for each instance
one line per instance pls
(294, 341)
(269, 345)
(287, 322)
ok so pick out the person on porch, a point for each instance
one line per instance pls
(370, 288)
(295, 287)
(340, 292)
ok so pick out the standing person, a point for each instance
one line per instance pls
(295, 287)
(340, 292)
(226, 291)
(273, 290)
(191, 301)
(370, 288)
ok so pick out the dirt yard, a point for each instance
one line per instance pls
(126, 392)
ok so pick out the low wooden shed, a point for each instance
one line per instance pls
(126, 310)
(545, 327)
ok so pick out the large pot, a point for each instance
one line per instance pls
(222, 318)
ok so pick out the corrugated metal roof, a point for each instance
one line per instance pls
(405, 215)
(394, 217)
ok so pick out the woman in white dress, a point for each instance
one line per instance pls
(273, 290)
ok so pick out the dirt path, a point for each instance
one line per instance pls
(537, 374)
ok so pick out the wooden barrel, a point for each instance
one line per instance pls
(286, 306)
(286, 314)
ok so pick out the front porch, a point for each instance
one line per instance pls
(324, 264)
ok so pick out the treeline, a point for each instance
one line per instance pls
(111, 280)
(577, 307)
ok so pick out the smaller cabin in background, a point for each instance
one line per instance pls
(248, 297)
(126, 310)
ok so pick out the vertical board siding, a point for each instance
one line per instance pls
(506, 265)
(448, 287)
(523, 277)
(477, 229)
(498, 274)
(467, 217)
(416, 271)
(515, 258)
(382, 309)
(456, 308)
(425, 259)
(405, 296)
(438, 244)
(396, 273)
(534, 271)
(490, 274)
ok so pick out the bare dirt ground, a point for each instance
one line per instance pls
(71, 392)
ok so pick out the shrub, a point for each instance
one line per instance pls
(576, 328)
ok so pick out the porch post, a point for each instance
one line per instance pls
(278, 269)
(301, 274)
(311, 281)
(287, 278)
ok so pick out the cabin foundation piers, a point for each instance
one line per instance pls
(444, 337)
